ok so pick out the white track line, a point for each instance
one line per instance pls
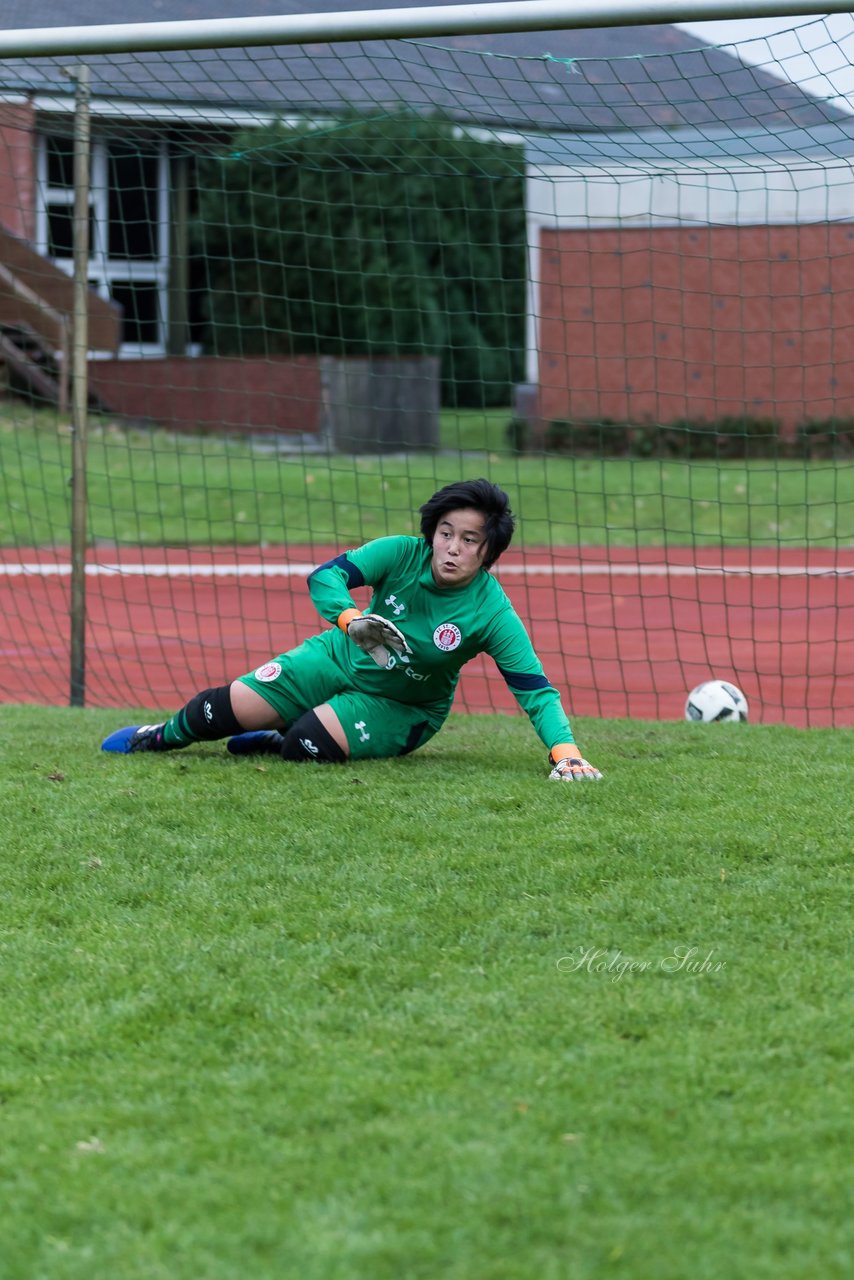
(610, 569)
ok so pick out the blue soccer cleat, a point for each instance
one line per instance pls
(135, 737)
(259, 742)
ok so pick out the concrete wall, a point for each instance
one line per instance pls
(661, 323)
(380, 403)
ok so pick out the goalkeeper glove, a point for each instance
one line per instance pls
(375, 636)
(570, 766)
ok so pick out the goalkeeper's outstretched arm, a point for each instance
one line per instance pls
(514, 654)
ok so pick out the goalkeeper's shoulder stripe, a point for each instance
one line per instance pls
(524, 680)
(352, 572)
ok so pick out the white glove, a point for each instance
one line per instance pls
(574, 769)
(376, 635)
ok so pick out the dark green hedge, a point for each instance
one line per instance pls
(377, 235)
(725, 437)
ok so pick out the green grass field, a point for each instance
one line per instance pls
(150, 487)
(377, 1022)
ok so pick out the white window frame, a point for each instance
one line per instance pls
(104, 272)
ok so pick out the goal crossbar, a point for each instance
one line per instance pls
(378, 24)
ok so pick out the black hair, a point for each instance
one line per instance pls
(482, 496)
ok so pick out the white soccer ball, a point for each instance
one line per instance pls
(716, 701)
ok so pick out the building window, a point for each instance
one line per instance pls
(60, 230)
(60, 162)
(133, 213)
(128, 228)
(140, 304)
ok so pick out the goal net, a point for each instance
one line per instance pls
(611, 270)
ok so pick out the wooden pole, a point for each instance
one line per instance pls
(80, 387)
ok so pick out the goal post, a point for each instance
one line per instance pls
(348, 258)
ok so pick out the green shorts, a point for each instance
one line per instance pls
(306, 677)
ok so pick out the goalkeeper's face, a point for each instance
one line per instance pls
(458, 547)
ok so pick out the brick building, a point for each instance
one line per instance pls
(687, 276)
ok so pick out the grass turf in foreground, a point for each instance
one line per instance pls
(271, 1021)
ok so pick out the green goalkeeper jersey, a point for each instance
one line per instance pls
(444, 626)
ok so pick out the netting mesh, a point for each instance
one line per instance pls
(326, 280)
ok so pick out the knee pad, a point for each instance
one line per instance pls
(308, 739)
(209, 715)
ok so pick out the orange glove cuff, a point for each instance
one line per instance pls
(347, 616)
(563, 751)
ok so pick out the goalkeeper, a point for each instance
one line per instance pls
(381, 683)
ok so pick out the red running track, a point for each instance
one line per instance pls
(621, 631)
